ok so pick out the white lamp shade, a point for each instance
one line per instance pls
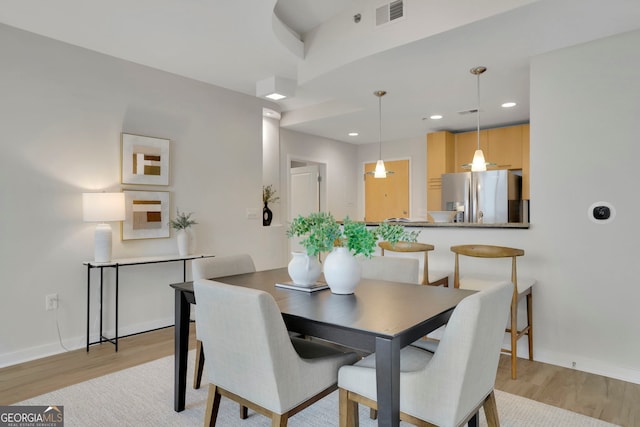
(103, 207)
(478, 164)
(380, 171)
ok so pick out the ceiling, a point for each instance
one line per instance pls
(422, 60)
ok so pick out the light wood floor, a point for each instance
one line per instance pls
(593, 395)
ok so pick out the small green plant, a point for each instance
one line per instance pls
(322, 233)
(269, 194)
(182, 221)
(358, 238)
(394, 233)
(320, 230)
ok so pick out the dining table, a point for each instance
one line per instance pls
(380, 317)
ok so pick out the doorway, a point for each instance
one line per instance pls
(306, 192)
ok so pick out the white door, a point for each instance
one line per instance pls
(305, 195)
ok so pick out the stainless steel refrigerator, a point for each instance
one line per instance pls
(491, 197)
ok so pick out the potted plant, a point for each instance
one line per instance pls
(268, 196)
(322, 233)
(182, 224)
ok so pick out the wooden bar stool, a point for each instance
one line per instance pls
(433, 278)
(522, 289)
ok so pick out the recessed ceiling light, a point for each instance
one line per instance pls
(353, 134)
(275, 96)
(509, 104)
(435, 117)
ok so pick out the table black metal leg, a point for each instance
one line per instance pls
(473, 422)
(181, 330)
(388, 382)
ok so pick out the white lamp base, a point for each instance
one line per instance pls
(102, 250)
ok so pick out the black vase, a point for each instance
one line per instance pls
(267, 215)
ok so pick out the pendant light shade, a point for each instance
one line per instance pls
(479, 164)
(380, 171)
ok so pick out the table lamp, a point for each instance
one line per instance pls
(101, 208)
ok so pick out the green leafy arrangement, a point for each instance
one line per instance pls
(182, 221)
(269, 194)
(394, 233)
(322, 233)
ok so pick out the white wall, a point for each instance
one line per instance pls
(584, 149)
(63, 109)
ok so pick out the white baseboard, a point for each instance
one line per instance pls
(77, 342)
(586, 364)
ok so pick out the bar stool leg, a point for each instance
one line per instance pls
(530, 323)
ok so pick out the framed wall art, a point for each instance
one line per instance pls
(145, 160)
(146, 215)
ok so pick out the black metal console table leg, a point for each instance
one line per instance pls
(88, 300)
(117, 288)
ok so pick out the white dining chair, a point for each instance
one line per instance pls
(251, 358)
(211, 268)
(391, 268)
(448, 387)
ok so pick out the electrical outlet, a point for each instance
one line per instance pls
(51, 302)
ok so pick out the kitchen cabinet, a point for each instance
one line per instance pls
(505, 147)
(466, 144)
(440, 159)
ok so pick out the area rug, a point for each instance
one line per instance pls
(143, 396)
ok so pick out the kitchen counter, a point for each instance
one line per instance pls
(516, 225)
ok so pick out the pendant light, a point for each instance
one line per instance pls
(478, 164)
(380, 171)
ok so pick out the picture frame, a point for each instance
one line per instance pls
(146, 215)
(144, 160)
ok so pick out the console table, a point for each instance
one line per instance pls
(117, 263)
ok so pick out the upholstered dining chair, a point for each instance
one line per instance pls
(211, 268)
(251, 358)
(428, 277)
(522, 289)
(448, 387)
(391, 268)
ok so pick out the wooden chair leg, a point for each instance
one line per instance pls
(373, 413)
(491, 410)
(348, 410)
(197, 372)
(244, 412)
(279, 420)
(213, 404)
(530, 323)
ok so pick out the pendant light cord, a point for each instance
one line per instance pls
(478, 112)
(380, 126)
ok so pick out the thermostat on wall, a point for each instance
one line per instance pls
(601, 212)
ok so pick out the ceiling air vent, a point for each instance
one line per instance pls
(389, 12)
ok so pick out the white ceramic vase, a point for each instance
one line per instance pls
(304, 270)
(185, 239)
(342, 271)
